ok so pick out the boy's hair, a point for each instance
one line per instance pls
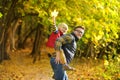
(62, 25)
(79, 27)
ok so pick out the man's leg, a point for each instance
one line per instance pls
(59, 72)
(53, 65)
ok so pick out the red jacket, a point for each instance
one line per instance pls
(52, 38)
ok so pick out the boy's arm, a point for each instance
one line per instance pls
(54, 15)
(54, 28)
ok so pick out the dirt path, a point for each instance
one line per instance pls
(20, 67)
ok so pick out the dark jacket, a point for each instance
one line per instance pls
(68, 44)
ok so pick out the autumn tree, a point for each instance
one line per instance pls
(8, 16)
(100, 18)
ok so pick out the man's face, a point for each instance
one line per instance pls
(79, 32)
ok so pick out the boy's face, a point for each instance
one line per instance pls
(63, 29)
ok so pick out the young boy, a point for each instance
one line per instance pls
(59, 31)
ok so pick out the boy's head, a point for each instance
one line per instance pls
(63, 27)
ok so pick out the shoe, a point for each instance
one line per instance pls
(53, 76)
(68, 68)
(49, 55)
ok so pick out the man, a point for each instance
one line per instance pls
(66, 44)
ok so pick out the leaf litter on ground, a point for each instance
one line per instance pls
(20, 67)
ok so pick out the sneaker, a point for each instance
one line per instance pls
(68, 68)
(49, 55)
(53, 76)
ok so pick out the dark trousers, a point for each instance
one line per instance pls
(59, 72)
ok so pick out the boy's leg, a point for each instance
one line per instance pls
(64, 62)
(62, 57)
(68, 68)
(50, 51)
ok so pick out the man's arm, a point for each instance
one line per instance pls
(58, 45)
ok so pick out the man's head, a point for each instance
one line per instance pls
(79, 31)
(63, 27)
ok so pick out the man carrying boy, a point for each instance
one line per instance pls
(67, 45)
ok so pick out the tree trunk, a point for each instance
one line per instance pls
(5, 29)
(36, 47)
(90, 51)
(19, 33)
(27, 36)
(14, 26)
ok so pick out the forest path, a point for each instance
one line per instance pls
(20, 67)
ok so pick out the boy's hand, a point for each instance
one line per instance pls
(54, 15)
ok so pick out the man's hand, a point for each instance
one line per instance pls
(57, 59)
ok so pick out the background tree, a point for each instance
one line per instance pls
(100, 18)
(5, 26)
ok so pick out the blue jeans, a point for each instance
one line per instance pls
(59, 73)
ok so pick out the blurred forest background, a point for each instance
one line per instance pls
(26, 24)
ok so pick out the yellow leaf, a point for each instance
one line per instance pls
(106, 62)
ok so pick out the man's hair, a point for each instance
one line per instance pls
(79, 27)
